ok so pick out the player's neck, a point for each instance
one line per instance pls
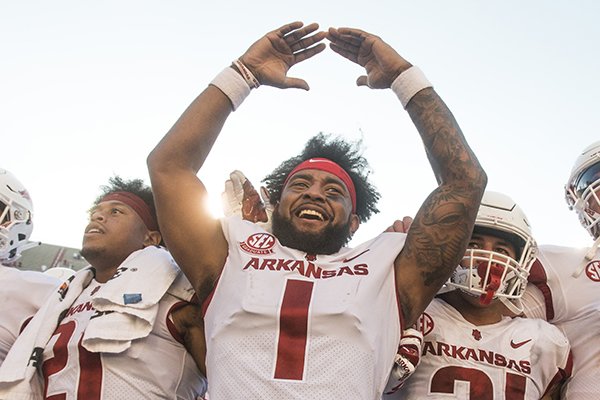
(104, 274)
(474, 314)
(105, 268)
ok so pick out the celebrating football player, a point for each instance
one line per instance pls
(125, 327)
(288, 312)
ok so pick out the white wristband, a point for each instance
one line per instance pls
(409, 83)
(233, 85)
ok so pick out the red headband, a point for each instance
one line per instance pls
(139, 206)
(323, 164)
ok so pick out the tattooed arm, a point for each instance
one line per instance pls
(440, 232)
(443, 225)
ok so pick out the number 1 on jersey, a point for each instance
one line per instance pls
(293, 330)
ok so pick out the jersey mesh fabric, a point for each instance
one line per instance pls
(335, 359)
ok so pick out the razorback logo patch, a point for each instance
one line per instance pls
(425, 324)
(259, 243)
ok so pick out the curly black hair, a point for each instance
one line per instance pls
(135, 186)
(347, 155)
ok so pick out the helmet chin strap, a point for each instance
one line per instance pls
(493, 283)
(588, 256)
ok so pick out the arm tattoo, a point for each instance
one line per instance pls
(443, 226)
(440, 235)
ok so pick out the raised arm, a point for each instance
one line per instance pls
(193, 236)
(439, 234)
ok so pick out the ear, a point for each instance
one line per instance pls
(354, 223)
(152, 238)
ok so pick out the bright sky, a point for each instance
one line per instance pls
(87, 88)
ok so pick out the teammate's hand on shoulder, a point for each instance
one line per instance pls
(401, 226)
(241, 198)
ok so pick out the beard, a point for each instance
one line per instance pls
(330, 240)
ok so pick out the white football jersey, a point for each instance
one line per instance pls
(155, 367)
(513, 359)
(22, 293)
(282, 324)
(572, 304)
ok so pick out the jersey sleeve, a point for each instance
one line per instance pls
(558, 351)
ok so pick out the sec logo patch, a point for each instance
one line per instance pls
(592, 270)
(259, 243)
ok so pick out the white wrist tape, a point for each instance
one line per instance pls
(409, 83)
(247, 74)
(233, 85)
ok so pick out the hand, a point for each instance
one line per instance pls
(406, 361)
(382, 63)
(401, 226)
(270, 57)
(240, 197)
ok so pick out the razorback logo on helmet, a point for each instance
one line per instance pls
(424, 324)
(592, 270)
(259, 243)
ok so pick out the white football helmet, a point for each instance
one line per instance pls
(491, 274)
(583, 188)
(16, 210)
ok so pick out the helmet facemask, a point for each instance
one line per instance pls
(583, 196)
(582, 190)
(16, 222)
(490, 274)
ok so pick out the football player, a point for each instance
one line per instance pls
(565, 282)
(471, 350)
(147, 339)
(22, 293)
(288, 312)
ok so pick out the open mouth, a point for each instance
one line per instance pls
(311, 215)
(94, 230)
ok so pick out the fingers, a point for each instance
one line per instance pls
(346, 42)
(273, 55)
(350, 54)
(253, 209)
(407, 222)
(362, 81)
(302, 43)
(401, 226)
(298, 37)
(305, 43)
(308, 53)
(347, 35)
(287, 28)
(231, 198)
(296, 83)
